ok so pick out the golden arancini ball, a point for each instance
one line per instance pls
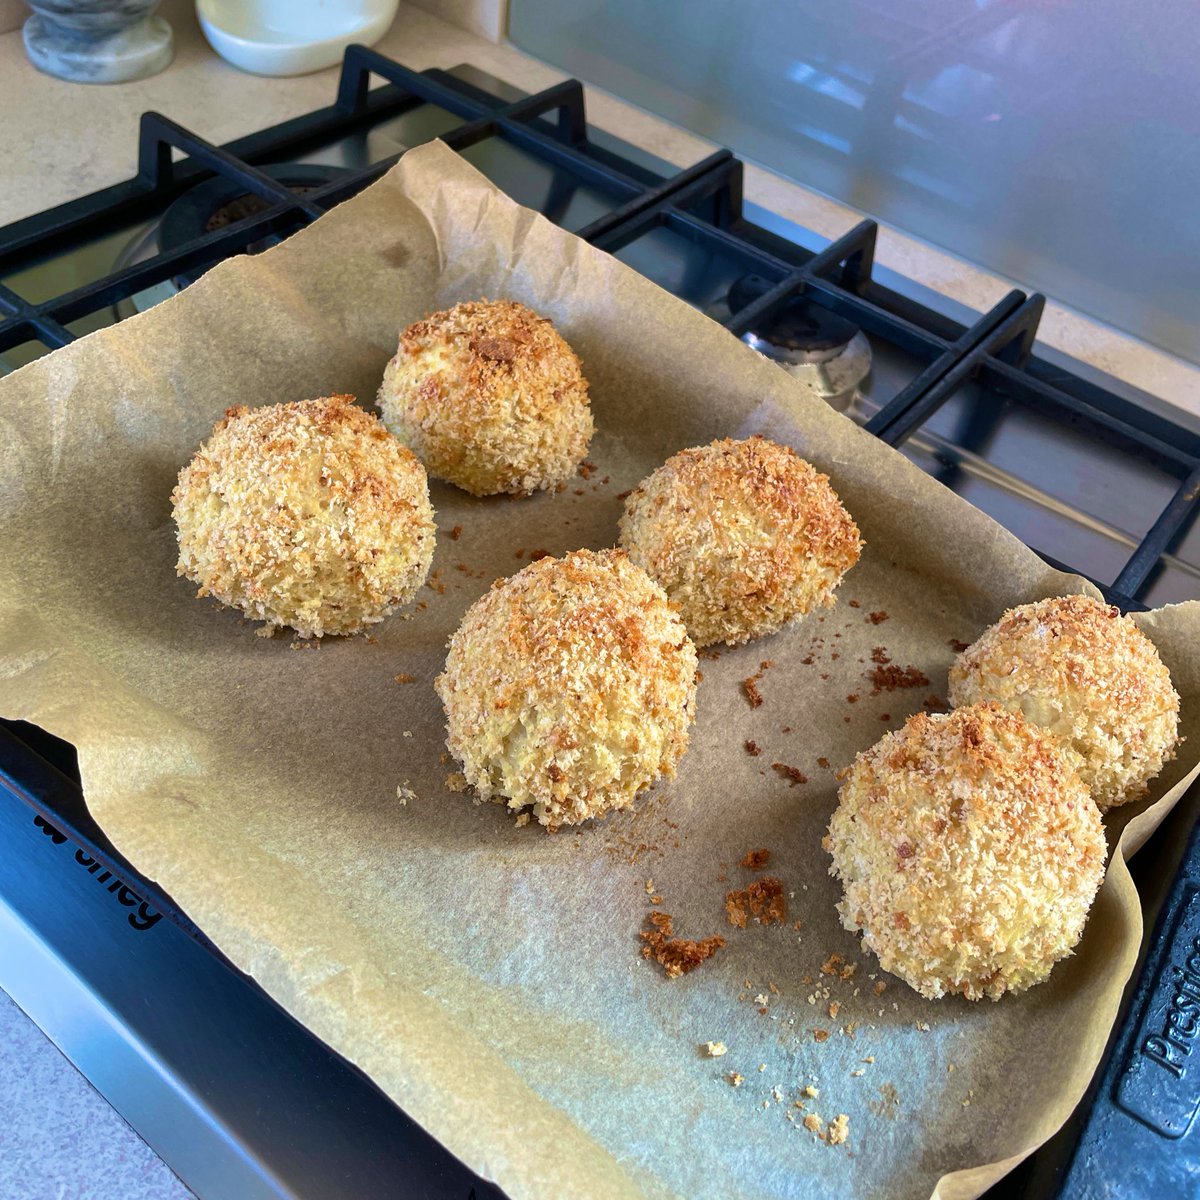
(490, 397)
(745, 536)
(308, 514)
(969, 852)
(1076, 667)
(570, 686)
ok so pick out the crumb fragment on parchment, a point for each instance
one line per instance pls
(676, 956)
(763, 900)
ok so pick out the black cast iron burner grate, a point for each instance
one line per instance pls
(702, 204)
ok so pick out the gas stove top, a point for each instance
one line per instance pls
(237, 1098)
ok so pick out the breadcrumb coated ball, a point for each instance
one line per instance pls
(490, 397)
(969, 852)
(745, 536)
(307, 514)
(1076, 667)
(570, 686)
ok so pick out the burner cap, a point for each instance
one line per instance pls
(798, 326)
(218, 202)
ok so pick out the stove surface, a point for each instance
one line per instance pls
(238, 1099)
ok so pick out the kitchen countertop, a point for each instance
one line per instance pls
(58, 1137)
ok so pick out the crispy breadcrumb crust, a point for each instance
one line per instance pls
(570, 686)
(969, 852)
(745, 536)
(490, 397)
(307, 514)
(1078, 668)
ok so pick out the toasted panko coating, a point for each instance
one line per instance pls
(745, 536)
(1077, 667)
(490, 398)
(307, 514)
(569, 686)
(969, 852)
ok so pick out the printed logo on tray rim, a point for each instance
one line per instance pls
(1156, 1087)
(143, 918)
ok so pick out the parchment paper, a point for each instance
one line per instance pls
(488, 977)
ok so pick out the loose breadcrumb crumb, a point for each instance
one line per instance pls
(716, 1049)
(676, 956)
(763, 900)
(889, 678)
(755, 860)
(793, 774)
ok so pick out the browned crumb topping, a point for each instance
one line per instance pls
(755, 860)
(753, 749)
(877, 618)
(880, 655)
(957, 646)
(835, 964)
(794, 774)
(889, 678)
(879, 988)
(812, 1123)
(587, 469)
(820, 1035)
(763, 900)
(852, 698)
(823, 763)
(404, 677)
(456, 533)
(534, 555)
(676, 956)
(750, 686)
(735, 1079)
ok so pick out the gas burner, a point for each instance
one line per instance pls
(210, 205)
(828, 354)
